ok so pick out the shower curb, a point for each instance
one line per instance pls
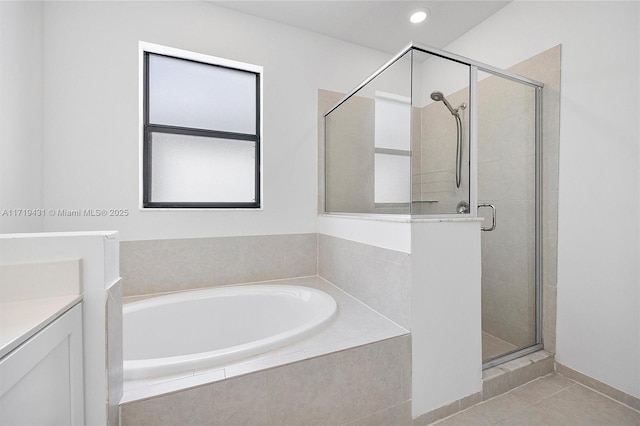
(504, 377)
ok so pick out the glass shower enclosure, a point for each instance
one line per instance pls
(435, 135)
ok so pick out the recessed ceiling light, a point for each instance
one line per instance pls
(418, 16)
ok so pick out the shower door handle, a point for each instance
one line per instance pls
(493, 215)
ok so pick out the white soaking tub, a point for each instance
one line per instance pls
(201, 329)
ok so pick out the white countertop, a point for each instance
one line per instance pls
(22, 319)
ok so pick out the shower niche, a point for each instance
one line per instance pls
(433, 135)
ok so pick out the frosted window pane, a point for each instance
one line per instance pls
(200, 169)
(191, 94)
(392, 180)
(393, 124)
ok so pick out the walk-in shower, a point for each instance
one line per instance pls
(389, 146)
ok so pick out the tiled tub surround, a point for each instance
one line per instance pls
(358, 368)
(157, 266)
(361, 386)
(379, 277)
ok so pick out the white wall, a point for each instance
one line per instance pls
(598, 324)
(20, 115)
(392, 234)
(91, 111)
(445, 313)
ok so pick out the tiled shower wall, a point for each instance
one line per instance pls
(351, 158)
(351, 136)
(158, 266)
(434, 164)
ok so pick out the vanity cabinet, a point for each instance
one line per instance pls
(41, 381)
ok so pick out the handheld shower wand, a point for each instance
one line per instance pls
(437, 97)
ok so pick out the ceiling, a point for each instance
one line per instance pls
(380, 25)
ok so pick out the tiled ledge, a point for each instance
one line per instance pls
(402, 218)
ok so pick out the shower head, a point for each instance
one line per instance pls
(438, 96)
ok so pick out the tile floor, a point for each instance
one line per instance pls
(549, 400)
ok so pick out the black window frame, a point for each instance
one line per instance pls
(149, 128)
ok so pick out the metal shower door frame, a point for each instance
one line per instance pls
(474, 67)
(538, 86)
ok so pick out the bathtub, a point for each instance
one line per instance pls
(202, 329)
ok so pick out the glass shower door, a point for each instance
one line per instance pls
(507, 182)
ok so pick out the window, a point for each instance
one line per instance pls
(201, 131)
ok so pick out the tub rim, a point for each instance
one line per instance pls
(163, 366)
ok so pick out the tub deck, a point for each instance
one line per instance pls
(355, 324)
